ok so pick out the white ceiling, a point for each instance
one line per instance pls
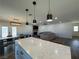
(65, 10)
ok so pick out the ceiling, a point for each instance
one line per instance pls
(65, 10)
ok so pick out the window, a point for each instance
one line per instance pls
(75, 28)
(14, 31)
(4, 31)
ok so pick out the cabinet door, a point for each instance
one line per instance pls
(18, 56)
(17, 51)
(20, 53)
(24, 54)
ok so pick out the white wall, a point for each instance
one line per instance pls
(23, 29)
(8, 8)
(62, 30)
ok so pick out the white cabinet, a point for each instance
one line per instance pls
(20, 53)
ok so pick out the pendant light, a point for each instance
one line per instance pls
(49, 15)
(34, 20)
(26, 16)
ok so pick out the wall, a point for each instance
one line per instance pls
(23, 29)
(62, 30)
(9, 8)
(76, 23)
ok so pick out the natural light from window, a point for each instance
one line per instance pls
(75, 28)
(14, 31)
(4, 31)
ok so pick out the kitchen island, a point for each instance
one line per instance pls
(34, 48)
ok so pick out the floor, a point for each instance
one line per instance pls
(73, 43)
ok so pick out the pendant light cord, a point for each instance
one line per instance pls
(49, 6)
(26, 16)
(49, 3)
(34, 12)
(26, 13)
(54, 8)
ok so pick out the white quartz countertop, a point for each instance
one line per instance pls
(40, 49)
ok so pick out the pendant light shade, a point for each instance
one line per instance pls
(34, 2)
(26, 9)
(49, 15)
(26, 15)
(34, 20)
(27, 23)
